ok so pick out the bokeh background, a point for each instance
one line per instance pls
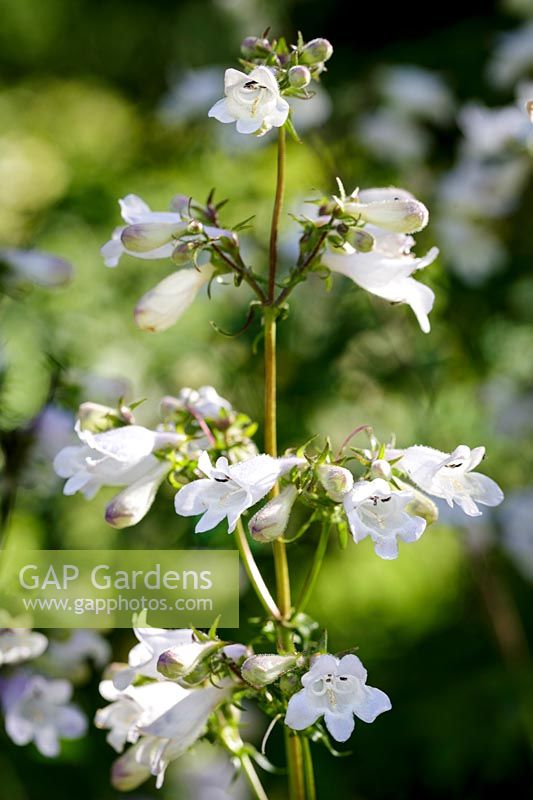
(99, 99)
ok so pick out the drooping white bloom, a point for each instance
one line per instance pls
(374, 510)
(390, 208)
(416, 92)
(20, 644)
(133, 707)
(270, 522)
(147, 234)
(117, 457)
(38, 710)
(252, 101)
(387, 270)
(143, 657)
(203, 402)
(132, 504)
(229, 489)
(168, 737)
(336, 689)
(162, 306)
(451, 476)
(42, 269)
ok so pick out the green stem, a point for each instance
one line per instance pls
(252, 778)
(308, 769)
(254, 574)
(312, 575)
(295, 761)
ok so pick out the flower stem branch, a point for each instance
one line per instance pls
(252, 778)
(242, 271)
(310, 581)
(300, 270)
(254, 574)
(308, 769)
(293, 746)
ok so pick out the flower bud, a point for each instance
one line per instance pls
(127, 773)
(253, 47)
(401, 215)
(181, 660)
(181, 254)
(180, 203)
(132, 504)
(381, 468)
(421, 505)
(360, 240)
(337, 481)
(270, 522)
(299, 76)
(261, 670)
(195, 226)
(146, 236)
(98, 418)
(316, 51)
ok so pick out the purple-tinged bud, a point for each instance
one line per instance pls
(254, 47)
(146, 236)
(299, 76)
(270, 522)
(261, 670)
(316, 52)
(181, 660)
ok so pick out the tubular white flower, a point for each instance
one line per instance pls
(252, 101)
(390, 208)
(117, 457)
(451, 476)
(374, 510)
(147, 234)
(20, 644)
(132, 504)
(137, 705)
(386, 271)
(336, 689)
(163, 305)
(38, 710)
(229, 489)
(204, 402)
(143, 657)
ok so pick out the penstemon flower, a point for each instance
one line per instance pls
(229, 489)
(162, 306)
(144, 656)
(38, 710)
(252, 101)
(335, 689)
(451, 476)
(20, 644)
(374, 510)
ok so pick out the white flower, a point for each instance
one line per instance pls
(137, 705)
(451, 476)
(417, 92)
(389, 135)
(168, 737)
(386, 271)
(337, 690)
(471, 249)
(517, 532)
(132, 504)
(374, 510)
(163, 305)
(252, 101)
(20, 644)
(390, 208)
(38, 710)
(69, 657)
(513, 57)
(270, 522)
(203, 402)
(229, 489)
(117, 457)
(143, 657)
(485, 188)
(147, 234)
(489, 131)
(42, 269)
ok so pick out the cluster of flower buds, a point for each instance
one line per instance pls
(297, 64)
(115, 451)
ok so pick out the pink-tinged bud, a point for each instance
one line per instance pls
(147, 236)
(270, 522)
(381, 468)
(400, 215)
(316, 52)
(299, 76)
(132, 504)
(337, 481)
(261, 670)
(254, 47)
